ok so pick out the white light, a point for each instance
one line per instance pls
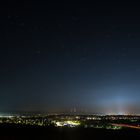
(59, 124)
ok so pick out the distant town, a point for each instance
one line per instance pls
(114, 122)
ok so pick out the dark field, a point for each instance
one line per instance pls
(17, 132)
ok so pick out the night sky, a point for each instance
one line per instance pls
(60, 56)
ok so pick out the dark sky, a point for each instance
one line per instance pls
(60, 55)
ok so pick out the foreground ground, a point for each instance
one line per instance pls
(17, 132)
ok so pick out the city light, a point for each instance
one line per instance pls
(113, 122)
(67, 123)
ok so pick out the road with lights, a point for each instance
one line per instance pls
(128, 126)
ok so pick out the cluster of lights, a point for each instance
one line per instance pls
(67, 123)
(91, 121)
(114, 127)
(93, 118)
